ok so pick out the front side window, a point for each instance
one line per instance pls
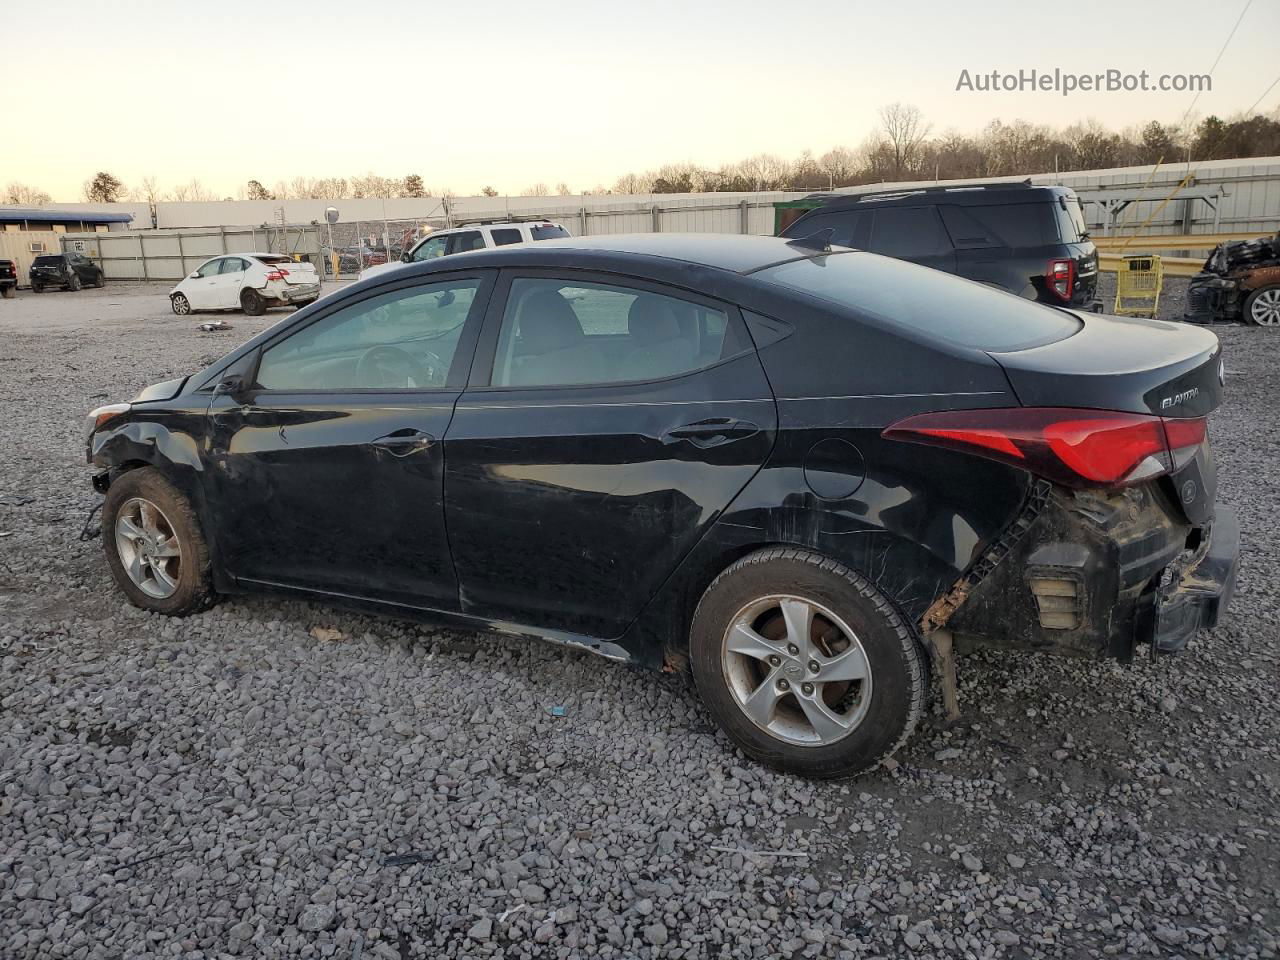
(430, 248)
(210, 269)
(562, 332)
(403, 340)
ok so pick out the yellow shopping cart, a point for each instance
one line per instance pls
(1138, 283)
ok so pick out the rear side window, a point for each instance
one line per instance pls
(964, 312)
(1002, 225)
(548, 231)
(503, 237)
(462, 242)
(1071, 220)
(908, 232)
(563, 332)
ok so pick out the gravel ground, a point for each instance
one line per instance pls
(277, 779)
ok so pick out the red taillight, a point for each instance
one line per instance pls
(1077, 448)
(1061, 277)
(277, 274)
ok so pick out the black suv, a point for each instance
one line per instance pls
(1027, 239)
(71, 271)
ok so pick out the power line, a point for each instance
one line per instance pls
(1217, 60)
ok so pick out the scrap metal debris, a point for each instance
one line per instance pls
(1233, 271)
(214, 326)
(328, 634)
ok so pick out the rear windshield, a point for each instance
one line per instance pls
(1071, 220)
(548, 231)
(962, 311)
(270, 258)
(47, 261)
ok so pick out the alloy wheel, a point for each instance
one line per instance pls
(1265, 309)
(796, 670)
(149, 549)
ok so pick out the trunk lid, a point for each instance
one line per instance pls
(1171, 370)
(301, 273)
(1121, 363)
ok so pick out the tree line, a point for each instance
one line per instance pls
(902, 148)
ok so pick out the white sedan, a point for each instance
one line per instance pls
(246, 281)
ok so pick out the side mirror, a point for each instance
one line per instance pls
(405, 258)
(194, 276)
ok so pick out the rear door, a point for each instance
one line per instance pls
(607, 423)
(912, 233)
(227, 284)
(466, 240)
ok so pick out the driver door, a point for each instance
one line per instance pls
(201, 287)
(327, 475)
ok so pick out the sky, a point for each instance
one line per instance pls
(510, 93)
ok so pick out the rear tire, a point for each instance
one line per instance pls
(849, 679)
(1262, 307)
(154, 545)
(252, 304)
(9, 292)
(36, 288)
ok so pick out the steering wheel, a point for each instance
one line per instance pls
(379, 364)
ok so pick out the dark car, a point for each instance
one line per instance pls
(8, 279)
(808, 476)
(70, 271)
(1029, 240)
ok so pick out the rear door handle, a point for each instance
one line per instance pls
(402, 443)
(712, 432)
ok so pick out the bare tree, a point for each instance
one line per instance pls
(488, 191)
(840, 165)
(192, 192)
(905, 128)
(21, 195)
(537, 190)
(373, 185)
(634, 183)
(147, 191)
(562, 189)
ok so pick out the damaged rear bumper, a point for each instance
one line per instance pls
(1096, 574)
(1201, 592)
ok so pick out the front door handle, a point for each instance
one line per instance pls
(712, 432)
(402, 443)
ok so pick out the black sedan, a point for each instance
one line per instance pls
(809, 475)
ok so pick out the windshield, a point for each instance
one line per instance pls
(964, 312)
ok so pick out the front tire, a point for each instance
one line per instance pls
(74, 284)
(805, 665)
(101, 280)
(180, 304)
(36, 288)
(252, 304)
(154, 545)
(1262, 307)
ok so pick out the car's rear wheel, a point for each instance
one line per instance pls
(73, 283)
(9, 292)
(180, 304)
(154, 545)
(1263, 306)
(805, 665)
(251, 303)
(36, 288)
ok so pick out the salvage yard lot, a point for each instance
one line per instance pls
(279, 779)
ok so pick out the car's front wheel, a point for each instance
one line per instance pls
(100, 280)
(805, 665)
(154, 545)
(180, 304)
(73, 282)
